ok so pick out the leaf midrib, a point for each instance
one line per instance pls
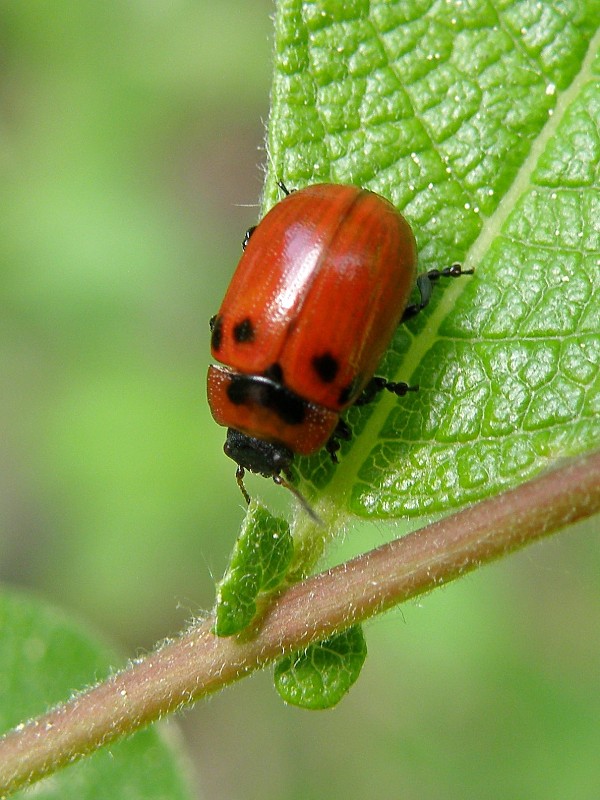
(346, 473)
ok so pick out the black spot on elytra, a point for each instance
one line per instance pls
(326, 367)
(257, 390)
(244, 331)
(216, 326)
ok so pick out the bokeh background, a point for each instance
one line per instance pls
(131, 163)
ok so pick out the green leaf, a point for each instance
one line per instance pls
(321, 675)
(44, 657)
(480, 122)
(258, 563)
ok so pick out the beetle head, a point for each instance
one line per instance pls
(265, 458)
(256, 455)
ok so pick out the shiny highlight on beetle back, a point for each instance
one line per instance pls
(325, 275)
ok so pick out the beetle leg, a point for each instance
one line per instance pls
(284, 188)
(378, 384)
(342, 431)
(251, 230)
(239, 476)
(247, 236)
(425, 283)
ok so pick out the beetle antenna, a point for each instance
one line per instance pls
(300, 497)
(239, 476)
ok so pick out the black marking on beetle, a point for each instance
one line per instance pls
(244, 331)
(341, 432)
(326, 367)
(257, 390)
(247, 236)
(266, 458)
(216, 326)
(274, 372)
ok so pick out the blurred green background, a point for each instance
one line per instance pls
(131, 135)
(131, 157)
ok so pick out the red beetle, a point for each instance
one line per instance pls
(323, 282)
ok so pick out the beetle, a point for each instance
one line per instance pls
(324, 280)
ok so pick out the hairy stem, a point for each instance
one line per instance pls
(199, 663)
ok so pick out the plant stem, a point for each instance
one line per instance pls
(199, 663)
